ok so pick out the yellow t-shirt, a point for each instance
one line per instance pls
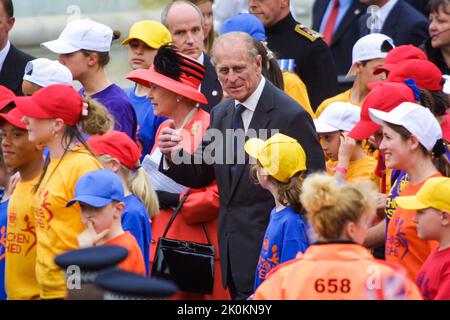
(360, 169)
(342, 97)
(20, 274)
(296, 89)
(57, 226)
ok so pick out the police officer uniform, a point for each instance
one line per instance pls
(122, 285)
(84, 265)
(313, 61)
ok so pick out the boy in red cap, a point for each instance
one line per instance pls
(25, 157)
(120, 154)
(53, 116)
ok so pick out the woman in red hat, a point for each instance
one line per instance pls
(174, 80)
(52, 117)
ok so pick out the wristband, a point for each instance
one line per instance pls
(341, 170)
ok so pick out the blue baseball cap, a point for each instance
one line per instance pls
(98, 189)
(245, 22)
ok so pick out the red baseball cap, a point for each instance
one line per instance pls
(53, 102)
(118, 145)
(425, 73)
(385, 97)
(14, 117)
(399, 54)
(6, 97)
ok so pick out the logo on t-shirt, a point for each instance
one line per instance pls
(397, 245)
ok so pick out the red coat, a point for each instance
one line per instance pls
(201, 206)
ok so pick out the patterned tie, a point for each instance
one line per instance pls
(331, 22)
(237, 124)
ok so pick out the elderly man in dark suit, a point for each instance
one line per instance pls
(12, 60)
(338, 22)
(397, 19)
(255, 106)
(185, 22)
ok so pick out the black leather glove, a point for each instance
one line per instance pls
(168, 200)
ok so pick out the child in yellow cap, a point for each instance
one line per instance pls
(281, 163)
(432, 205)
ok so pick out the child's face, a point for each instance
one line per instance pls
(39, 130)
(429, 223)
(101, 218)
(17, 149)
(396, 151)
(330, 143)
(140, 55)
(77, 62)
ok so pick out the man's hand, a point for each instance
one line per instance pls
(169, 141)
(90, 238)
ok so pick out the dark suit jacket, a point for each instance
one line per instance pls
(405, 25)
(11, 75)
(346, 34)
(244, 205)
(211, 87)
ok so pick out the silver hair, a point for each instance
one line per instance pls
(236, 36)
(167, 8)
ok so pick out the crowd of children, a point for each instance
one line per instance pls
(72, 174)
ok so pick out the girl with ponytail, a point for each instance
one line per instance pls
(118, 153)
(53, 117)
(337, 267)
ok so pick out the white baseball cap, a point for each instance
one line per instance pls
(418, 120)
(368, 48)
(338, 116)
(82, 34)
(446, 84)
(45, 72)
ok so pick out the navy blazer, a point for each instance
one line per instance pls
(211, 86)
(11, 75)
(346, 34)
(244, 206)
(404, 24)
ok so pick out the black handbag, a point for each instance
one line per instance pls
(189, 264)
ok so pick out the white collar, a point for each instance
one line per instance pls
(4, 52)
(386, 9)
(201, 59)
(253, 100)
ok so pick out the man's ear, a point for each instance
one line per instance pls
(445, 220)
(10, 23)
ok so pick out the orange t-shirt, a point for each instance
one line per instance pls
(403, 245)
(135, 260)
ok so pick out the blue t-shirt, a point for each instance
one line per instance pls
(148, 123)
(119, 105)
(135, 220)
(286, 235)
(3, 222)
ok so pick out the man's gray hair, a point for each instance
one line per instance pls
(236, 36)
(167, 8)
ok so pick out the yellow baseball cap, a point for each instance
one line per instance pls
(280, 155)
(435, 193)
(153, 33)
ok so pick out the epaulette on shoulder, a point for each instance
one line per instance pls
(307, 32)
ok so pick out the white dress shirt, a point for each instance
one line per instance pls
(251, 103)
(3, 54)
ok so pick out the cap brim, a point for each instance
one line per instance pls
(410, 203)
(59, 47)
(363, 130)
(147, 77)
(380, 117)
(384, 68)
(29, 108)
(93, 201)
(12, 120)
(253, 147)
(149, 43)
(5, 102)
(322, 127)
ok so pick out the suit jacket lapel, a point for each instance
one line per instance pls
(389, 27)
(352, 13)
(8, 75)
(260, 120)
(321, 13)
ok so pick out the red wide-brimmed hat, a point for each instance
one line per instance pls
(190, 77)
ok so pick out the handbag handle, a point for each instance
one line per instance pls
(174, 215)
